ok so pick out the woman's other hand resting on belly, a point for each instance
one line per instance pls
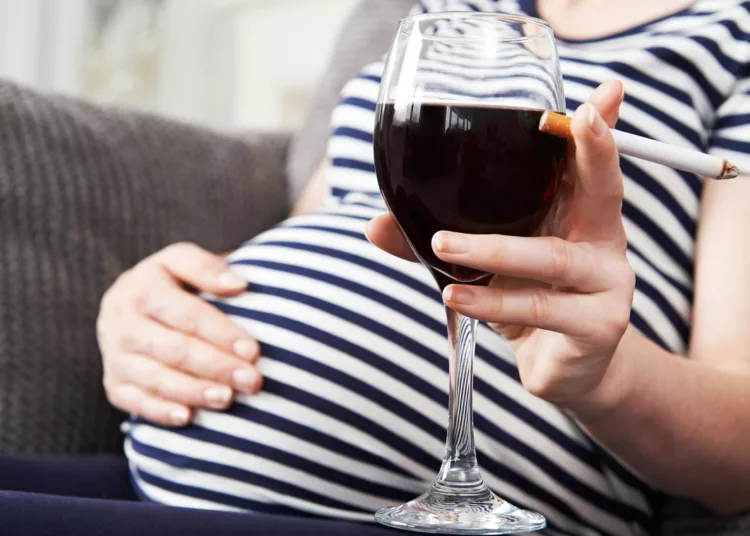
(165, 350)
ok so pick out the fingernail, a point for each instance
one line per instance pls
(246, 349)
(231, 280)
(460, 295)
(618, 83)
(217, 395)
(245, 380)
(596, 122)
(451, 242)
(179, 416)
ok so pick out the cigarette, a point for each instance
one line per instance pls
(672, 156)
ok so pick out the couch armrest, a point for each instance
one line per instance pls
(85, 193)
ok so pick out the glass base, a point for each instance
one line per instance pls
(477, 511)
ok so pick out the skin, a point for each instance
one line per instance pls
(164, 349)
(592, 19)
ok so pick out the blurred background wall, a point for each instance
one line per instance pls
(238, 64)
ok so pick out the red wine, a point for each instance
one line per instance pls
(466, 168)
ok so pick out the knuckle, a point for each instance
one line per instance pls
(129, 340)
(182, 252)
(614, 323)
(628, 275)
(101, 323)
(179, 249)
(508, 331)
(107, 298)
(109, 364)
(146, 408)
(498, 252)
(110, 310)
(200, 260)
(188, 320)
(120, 396)
(112, 293)
(539, 305)
(102, 332)
(498, 304)
(621, 242)
(109, 386)
(163, 386)
(539, 385)
(176, 351)
(158, 309)
(141, 299)
(184, 319)
(617, 193)
(620, 323)
(560, 258)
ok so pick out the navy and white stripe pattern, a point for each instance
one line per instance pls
(352, 415)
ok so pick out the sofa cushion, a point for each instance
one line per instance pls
(85, 193)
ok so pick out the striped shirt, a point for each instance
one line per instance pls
(353, 410)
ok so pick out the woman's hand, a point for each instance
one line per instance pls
(564, 299)
(166, 350)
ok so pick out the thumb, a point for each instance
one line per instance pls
(597, 202)
(200, 269)
(384, 232)
(607, 98)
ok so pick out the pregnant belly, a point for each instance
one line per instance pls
(351, 416)
(352, 413)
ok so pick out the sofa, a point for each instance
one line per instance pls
(86, 192)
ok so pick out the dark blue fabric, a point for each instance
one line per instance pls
(95, 477)
(91, 496)
(30, 514)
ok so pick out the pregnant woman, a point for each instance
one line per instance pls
(601, 393)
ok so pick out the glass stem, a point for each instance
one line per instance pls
(460, 469)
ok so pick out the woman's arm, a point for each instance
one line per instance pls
(684, 424)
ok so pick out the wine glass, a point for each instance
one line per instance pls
(458, 148)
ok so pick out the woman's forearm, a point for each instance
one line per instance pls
(682, 425)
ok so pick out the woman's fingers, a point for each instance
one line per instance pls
(189, 354)
(549, 260)
(607, 99)
(206, 271)
(383, 231)
(136, 401)
(596, 204)
(588, 317)
(169, 384)
(191, 315)
(165, 350)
